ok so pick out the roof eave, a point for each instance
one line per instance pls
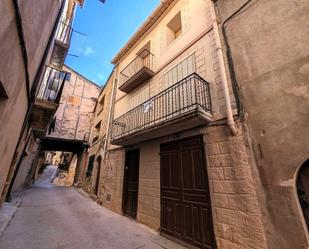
(146, 26)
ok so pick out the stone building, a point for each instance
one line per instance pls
(179, 158)
(70, 129)
(95, 174)
(35, 37)
(75, 111)
(268, 43)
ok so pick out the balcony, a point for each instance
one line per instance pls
(61, 45)
(182, 106)
(47, 99)
(137, 72)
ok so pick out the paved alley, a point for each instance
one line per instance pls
(53, 217)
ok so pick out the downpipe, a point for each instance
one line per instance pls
(229, 111)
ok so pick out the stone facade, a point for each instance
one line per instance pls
(98, 142)
(236, 210)
(268, 43)
(74, 114)
(112, 180)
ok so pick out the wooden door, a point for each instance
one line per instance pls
(130, 193)
(185, 198)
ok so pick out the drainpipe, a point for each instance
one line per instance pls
(229, 112)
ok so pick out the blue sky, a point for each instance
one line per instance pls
(107, 27)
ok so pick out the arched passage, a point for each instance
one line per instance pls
(302, 185)
(97, 181)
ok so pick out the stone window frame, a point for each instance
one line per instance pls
(174, 28)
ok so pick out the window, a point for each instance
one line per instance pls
(96, 132)
(90, 166)
(68, 76)
(101, 104)
(174, 28)
(183, 69)
(74, 100)
(145, 47)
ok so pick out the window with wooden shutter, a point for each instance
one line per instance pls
(180, 71)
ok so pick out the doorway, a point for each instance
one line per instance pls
(302, 185)
(130, 187)
(97, 182)
(185, 198)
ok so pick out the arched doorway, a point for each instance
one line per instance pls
(302, 185)
(97, 181)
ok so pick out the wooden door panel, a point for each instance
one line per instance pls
(207, 222)
(130, 193)
(185, 201)
(199, 168)
(188, 231)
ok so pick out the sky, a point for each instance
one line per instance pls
(101, 31)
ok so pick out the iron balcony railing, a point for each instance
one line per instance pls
(51, 85)
(145, 59)
(182, 98)
(64, 33)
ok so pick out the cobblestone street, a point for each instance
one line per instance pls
(61, 218)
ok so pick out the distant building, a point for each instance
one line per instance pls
(75, 111)
(34, 44)
(94, 174)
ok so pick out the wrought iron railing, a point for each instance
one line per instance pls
(179, 99)
(64, 33)
(145, 59)
(51, 85)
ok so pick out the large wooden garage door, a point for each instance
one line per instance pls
(185, 201)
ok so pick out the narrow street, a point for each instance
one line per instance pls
(53, 217)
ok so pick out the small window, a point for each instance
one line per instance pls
(101, 104)
(90, 166)
(144, 51)
(74, 100)
(68, 76)
(96, 132)
(174, 28)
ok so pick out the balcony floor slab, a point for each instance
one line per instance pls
(180, 123)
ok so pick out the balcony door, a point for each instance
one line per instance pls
(185, 199)
(130, 188)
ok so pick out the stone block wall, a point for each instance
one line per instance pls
(111, 180)
(237, 218)
(149, 185)
(236, 213)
